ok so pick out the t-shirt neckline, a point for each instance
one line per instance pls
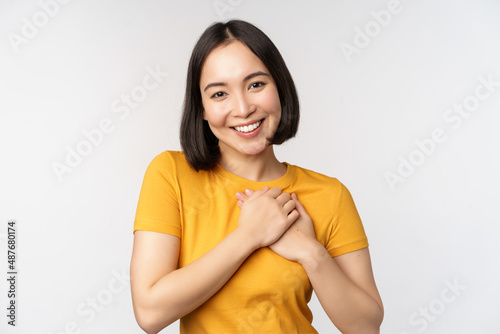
(281, 182)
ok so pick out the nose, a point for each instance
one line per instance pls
(243, 106)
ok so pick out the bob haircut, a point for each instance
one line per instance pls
(199, 144)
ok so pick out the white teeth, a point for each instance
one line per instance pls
(248, 128)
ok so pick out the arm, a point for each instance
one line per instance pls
(346, 289)
(161, 293)
(345, 285)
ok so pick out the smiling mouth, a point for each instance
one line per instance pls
(248, 128)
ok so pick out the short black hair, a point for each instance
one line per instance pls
(199, 144)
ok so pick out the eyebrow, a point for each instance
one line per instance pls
(248, 77)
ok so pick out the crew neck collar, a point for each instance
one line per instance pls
(281, 182)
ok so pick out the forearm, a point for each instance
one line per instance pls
(183, 290)
(350, 308)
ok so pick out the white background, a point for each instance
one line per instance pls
(362, 114)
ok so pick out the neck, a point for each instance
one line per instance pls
(261, 167)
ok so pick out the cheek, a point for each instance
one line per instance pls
(214, 117)
(271, 103)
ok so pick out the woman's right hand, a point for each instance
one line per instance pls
(266, 215)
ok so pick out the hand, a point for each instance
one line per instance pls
(299, 240)
(266, 215)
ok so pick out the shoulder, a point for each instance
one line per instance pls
(322, 187)
(169, 157)
(169, 160)
(168, 166)
(305, 175)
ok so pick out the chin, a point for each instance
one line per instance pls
(255, 149)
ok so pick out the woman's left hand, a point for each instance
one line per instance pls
(299, 241)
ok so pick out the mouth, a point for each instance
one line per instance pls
(248, 128)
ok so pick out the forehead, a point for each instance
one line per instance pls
(228, 62)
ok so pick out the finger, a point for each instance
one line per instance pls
(274, 192)
(300, 208)
(283, 198)
(241, 196)
(240, 203)
(249, 192)
(289, 206)
(292, 217)
(259, 192)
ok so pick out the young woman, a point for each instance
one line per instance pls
(229, 239)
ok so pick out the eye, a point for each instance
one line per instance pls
(218, 95)
(257, 85)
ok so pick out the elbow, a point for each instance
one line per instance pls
(379, 316)
(368, 324)
(150, 315)
(373, 323)
(146, 322)
(150, 322)
(362, 328)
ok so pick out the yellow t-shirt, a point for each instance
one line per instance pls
(267, 294)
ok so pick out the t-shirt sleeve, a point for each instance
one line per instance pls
(158, 207)
(347, 234)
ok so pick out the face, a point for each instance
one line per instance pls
(240, 100)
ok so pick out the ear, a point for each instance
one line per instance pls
(204, 115)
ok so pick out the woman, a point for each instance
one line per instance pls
(227, 238)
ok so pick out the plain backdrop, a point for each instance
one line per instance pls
(400, 101)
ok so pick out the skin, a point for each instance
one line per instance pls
(237, 89)
(344, 285)
(230, 100)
